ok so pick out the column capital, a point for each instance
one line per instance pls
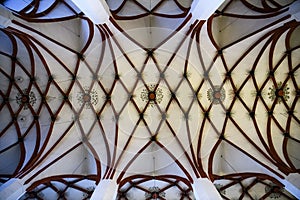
(96, 10)
(5, 17)
(204, 9)
(294, 10)
(12, 189)
(204, 189)
(107, 189)
(292, 184)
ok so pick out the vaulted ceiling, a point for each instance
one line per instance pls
(153, 98)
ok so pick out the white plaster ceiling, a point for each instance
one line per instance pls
(76, 97)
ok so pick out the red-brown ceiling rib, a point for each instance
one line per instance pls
(247, 182)
(142, 10)
(275, 32)
(136, 182)
(58, 185)
(30, 12)
(31, 42)
(265, 8)
(274, 157)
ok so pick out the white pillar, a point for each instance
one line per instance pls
(96, 10)
(203, 9)
(294, 10)
(106, 190)
(5, 17)
(292, 184)
(204, 189)
(12, 189)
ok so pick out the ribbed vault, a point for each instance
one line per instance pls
(154, 98)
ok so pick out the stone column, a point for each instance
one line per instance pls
(96, 10)
(5, 17)
(106, 190)
(204, 189)
(203, 9)
(12, 189)
(292, 184)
